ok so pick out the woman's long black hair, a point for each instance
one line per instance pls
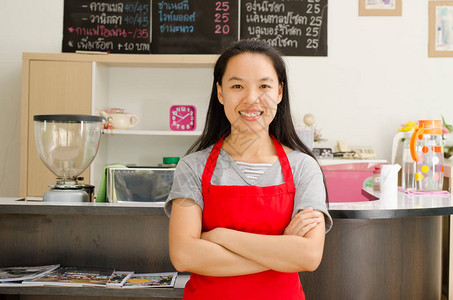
(217, 124)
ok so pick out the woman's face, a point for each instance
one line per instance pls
(250, 92)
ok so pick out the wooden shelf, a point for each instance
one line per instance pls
(94, 291)
(125, 60)
(84, 88)
(150, 132)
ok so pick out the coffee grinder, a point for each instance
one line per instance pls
(67, 144)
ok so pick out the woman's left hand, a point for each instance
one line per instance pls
(303, 222)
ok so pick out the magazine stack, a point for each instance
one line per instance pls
(55, 275)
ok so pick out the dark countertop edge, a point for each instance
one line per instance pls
(94, 210)
(82, 210)
(390, 213)
(93, 291)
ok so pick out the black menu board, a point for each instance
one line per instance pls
(194, 26)
(295, 27)
(115, 26)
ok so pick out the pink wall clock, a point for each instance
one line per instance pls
(183, 117)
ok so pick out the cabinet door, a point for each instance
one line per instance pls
(55, 87)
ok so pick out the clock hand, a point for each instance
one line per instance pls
(182, 118)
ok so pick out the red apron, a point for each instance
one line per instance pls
(262, 210)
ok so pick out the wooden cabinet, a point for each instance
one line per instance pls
(146, 85)
(125, 237)
(54, 87)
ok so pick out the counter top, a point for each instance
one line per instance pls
(404, 206)
(21, 206)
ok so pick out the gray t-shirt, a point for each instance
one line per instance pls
(308, 179)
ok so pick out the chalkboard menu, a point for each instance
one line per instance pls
(295, 27)
(194, 26)
(109, 26)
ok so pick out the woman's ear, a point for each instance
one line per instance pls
(280, 93)
(219, 93)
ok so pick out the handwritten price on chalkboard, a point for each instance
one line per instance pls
(137, 8)
(313, 7)
(222, 16)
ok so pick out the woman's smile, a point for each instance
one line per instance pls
(250, 115)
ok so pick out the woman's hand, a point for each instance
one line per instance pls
(300, 225)
(303, 222)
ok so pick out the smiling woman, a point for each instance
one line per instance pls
(250, 92)
(248, 204)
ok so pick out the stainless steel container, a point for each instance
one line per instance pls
(139, 184)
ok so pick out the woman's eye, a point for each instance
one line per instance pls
(265, 86)
(236, 86)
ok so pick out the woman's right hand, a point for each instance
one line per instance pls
(304, 221)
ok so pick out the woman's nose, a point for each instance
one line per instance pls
(252, 96)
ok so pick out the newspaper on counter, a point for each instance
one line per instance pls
(73, 276)
(151, 280)
(9, 274)
(118, 278)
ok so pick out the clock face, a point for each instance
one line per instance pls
(183, 117)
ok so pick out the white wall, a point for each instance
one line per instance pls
(26, 26)
(377, 75)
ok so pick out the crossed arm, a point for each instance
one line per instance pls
(227, 252)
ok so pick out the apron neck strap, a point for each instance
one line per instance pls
(213, 156)
(211, 162)
(284, 162)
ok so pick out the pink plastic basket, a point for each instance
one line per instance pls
(345, 181)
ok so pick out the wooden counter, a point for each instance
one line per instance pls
(374, 250)
(125, 237)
